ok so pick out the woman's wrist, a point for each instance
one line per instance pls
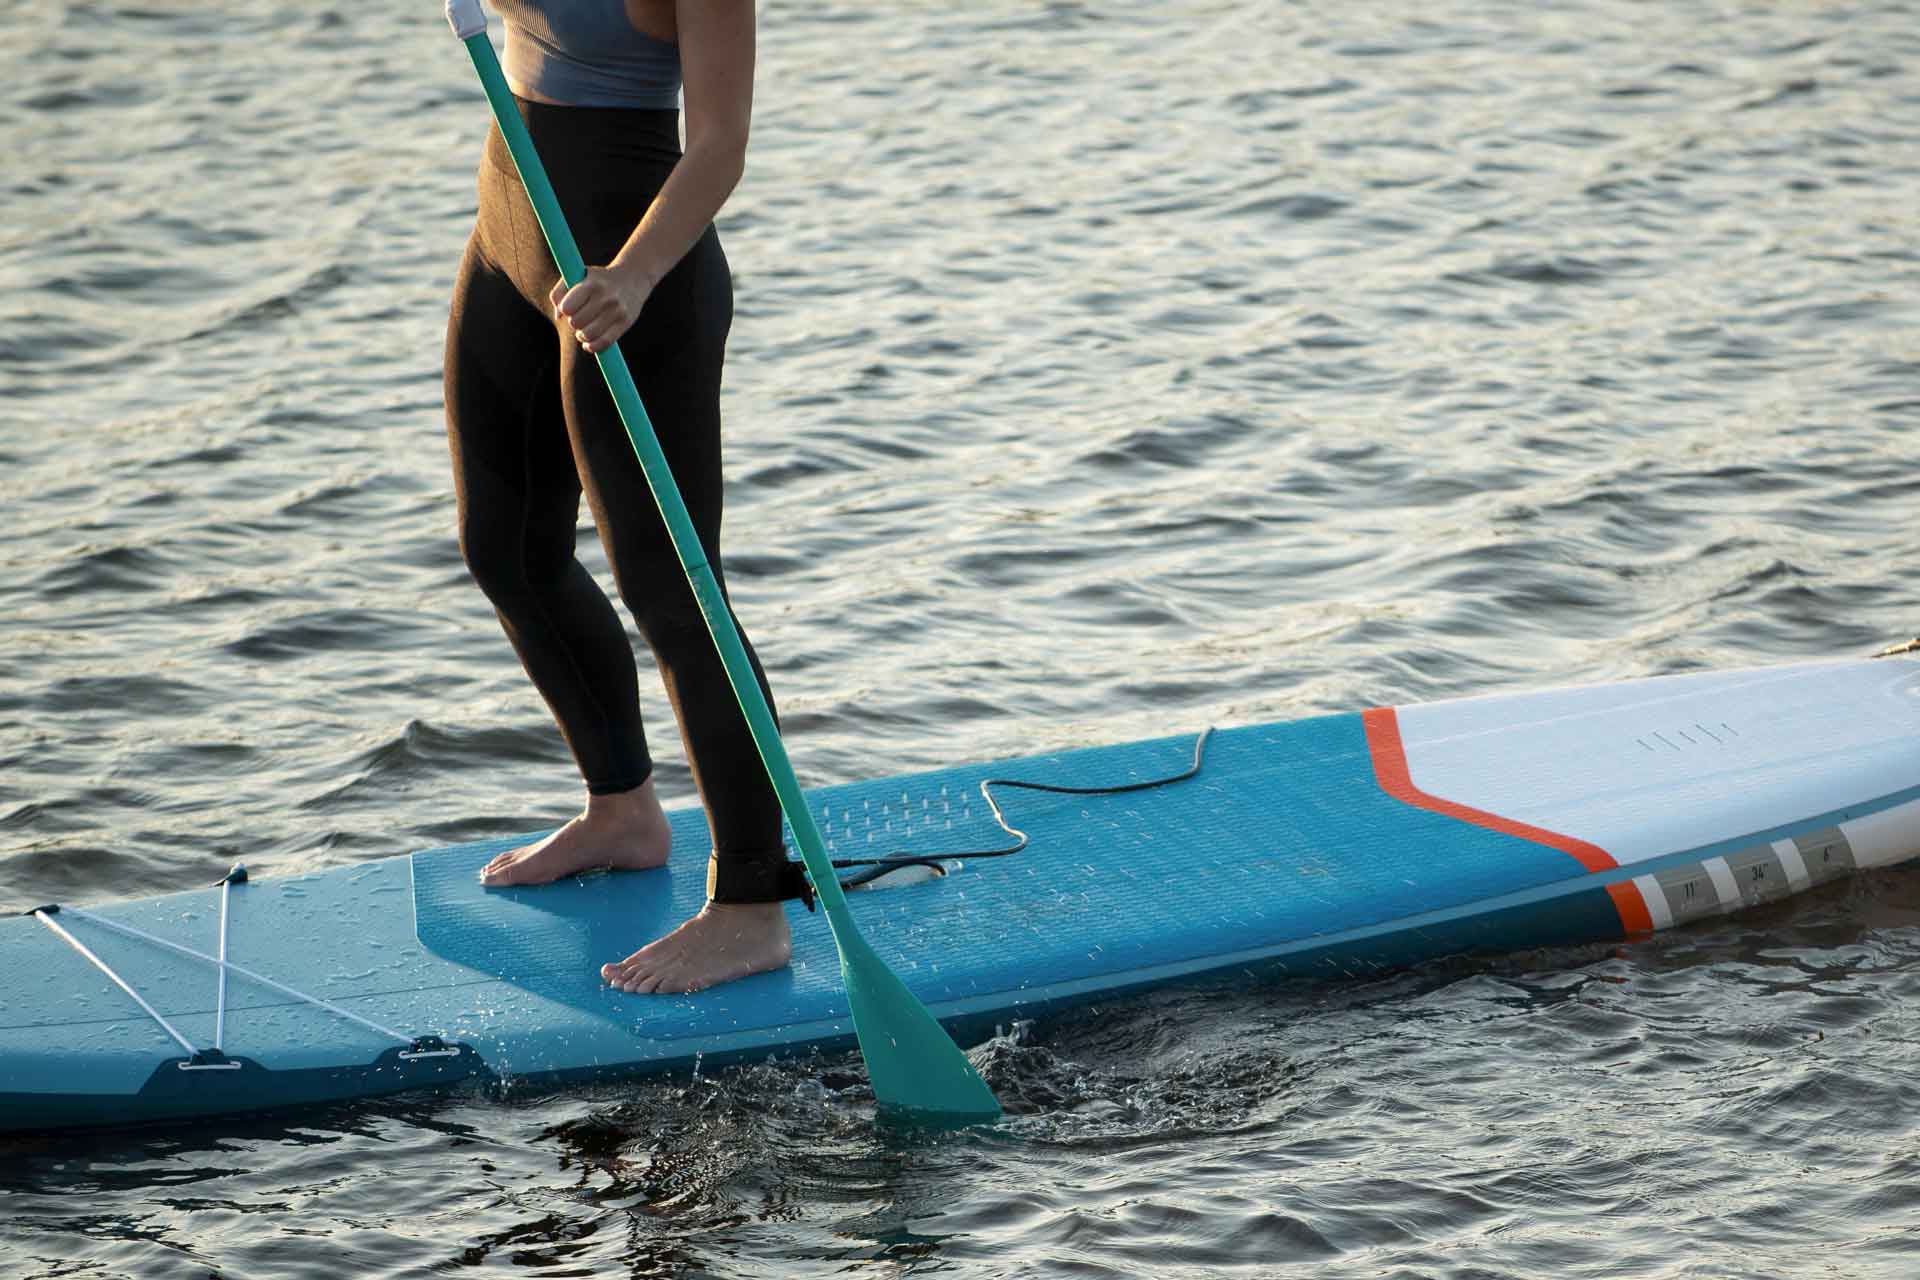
(635, 271)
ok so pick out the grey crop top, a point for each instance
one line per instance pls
(584, 53)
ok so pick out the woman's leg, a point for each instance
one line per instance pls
(517, 495)
(675, 352)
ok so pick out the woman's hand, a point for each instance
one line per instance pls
(603, 306)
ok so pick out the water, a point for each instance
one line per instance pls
(1099, 371)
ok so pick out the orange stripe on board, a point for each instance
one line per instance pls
(1631, 906)
(1390, 769)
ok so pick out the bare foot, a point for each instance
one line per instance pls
(725, 941)
(624, 832)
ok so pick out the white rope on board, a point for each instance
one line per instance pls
(264, 981)
(119, 981)
(224, 966)
(220, 1002)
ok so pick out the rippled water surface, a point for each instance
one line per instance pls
(1099, 371)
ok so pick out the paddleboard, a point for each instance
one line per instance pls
(1335, 845)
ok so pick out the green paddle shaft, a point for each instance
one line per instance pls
(913, 1063)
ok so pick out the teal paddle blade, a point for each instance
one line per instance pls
(912, 1062)
(914, 1065)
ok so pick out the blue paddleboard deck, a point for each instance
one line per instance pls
(1331, 845)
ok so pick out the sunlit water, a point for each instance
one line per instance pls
(1099, 371)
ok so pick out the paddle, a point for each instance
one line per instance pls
(914, 1065)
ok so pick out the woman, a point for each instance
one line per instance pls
(533, 427)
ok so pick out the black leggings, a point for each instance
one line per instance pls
(532, 426)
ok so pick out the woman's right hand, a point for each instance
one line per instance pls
(602, 307)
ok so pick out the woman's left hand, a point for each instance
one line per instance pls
(603, 306)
